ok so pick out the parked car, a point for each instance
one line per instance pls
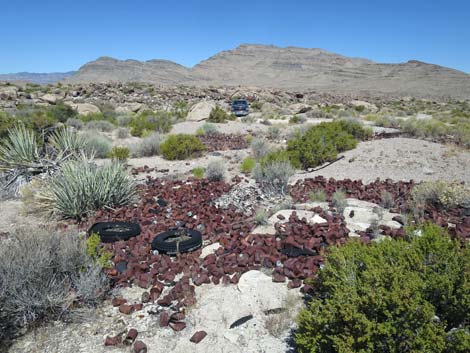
(240, 107)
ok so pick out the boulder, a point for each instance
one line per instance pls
(85, 108)
(50, 98)
(8, 93)
(363, 214)
(200, 111)
(129, 108)
(369, 106)
(299, 108)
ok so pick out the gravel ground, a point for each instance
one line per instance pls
(399, 159)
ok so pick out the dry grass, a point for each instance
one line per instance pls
(279, 322)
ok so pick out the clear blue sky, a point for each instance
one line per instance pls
(62, 35)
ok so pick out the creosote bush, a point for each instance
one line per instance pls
(392, 296)
(216, 170)
(181, 146)
(218, 115)
(149, 121)
(43, 274)
(81, 188)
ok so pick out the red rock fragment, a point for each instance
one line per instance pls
(178, 326)
(198, 336)
(118, 301)
(140, 347)
(130, 337)
(126, 309)
(113, 341)
(164, 318)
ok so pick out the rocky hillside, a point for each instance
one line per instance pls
(288, 68)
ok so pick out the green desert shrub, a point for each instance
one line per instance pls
(44, 275)
(61, 112)
(99, 144)
(198, 172)
(7, 121)
(391, 296)
(181, 146)
(149, 121)
(149, 146)
(81, 188)
(216, 170)
(19, 149)
(120, 153)
(273, 177)
(297, 119)
(218, 115)
(322, 143)
(247, 165)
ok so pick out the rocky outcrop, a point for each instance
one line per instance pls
(200, 111)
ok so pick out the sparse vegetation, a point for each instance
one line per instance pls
(274, 132)
(261, 217)
(247, 165)
(259, 148)
(207, 129)
(100, 125)
(181, 146)
(119, 153)
(387, 199)
(273, 177)
(198, 172)
(339, 200)
(99, 144)
(149, 146)
(122, 132)
(148, 122)
(43, 274)
(317, 196)
(391, 296)
(218, 115)
(216, 170)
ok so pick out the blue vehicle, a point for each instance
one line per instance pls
(240, 107)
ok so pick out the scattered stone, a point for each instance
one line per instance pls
(198, 336)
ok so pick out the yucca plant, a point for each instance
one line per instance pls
(82, 187)
(19, 149)
(67, 143)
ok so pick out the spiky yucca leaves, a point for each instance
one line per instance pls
(19, 149)
(69, 144)
(81, 188)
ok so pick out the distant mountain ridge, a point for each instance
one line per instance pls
(38, 78)
(286, 68)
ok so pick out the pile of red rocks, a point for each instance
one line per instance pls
(456, 220)
(373, 192)
(171, 281)
(223, 142)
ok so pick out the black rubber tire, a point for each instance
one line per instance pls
(110, 232)
(168, 247)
